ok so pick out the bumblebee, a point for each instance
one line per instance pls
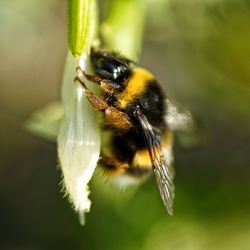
(140, 118)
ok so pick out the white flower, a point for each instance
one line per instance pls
(78, 139)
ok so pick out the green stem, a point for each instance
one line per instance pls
(123, 28)
(82, 27)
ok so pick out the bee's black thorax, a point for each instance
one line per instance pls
(149, 97)
(152, 104)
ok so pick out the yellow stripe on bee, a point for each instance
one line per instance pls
(142, 159)
(136, 86)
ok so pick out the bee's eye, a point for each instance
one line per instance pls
(109, 66)
(106, 65)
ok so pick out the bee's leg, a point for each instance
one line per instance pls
(92, 78)
(112, 115)
(105, 84)
(112, 166)
(95, 100)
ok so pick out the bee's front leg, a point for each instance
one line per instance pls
(113, 116)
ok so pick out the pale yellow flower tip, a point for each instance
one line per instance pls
(78, 139)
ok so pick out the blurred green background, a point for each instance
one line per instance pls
(199, 50)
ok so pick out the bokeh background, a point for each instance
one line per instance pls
(199, 50)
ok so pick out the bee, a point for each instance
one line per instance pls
(140, 118)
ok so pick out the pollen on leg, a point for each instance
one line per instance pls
(118, 118)
(113, 116)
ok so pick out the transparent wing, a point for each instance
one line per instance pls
(162, 167)
(189, 129)
(178, 118)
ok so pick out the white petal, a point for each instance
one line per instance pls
(78, 139)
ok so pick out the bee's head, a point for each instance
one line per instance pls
(109, 65)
